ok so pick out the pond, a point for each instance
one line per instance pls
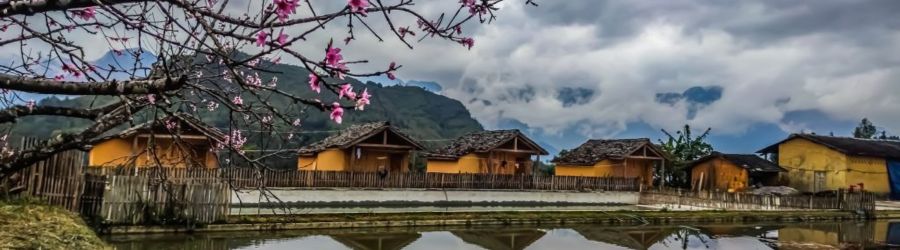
(831, 235)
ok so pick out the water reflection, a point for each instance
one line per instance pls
(747, 236)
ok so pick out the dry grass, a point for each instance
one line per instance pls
(31, 225)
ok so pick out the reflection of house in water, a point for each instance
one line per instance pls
(891, 232)
(633, 238)
(500, 240)
(833, 234)
(393, 241)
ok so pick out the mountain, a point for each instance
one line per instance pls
(427, 85)
(422, 114)
(431, 86)
(132, 61)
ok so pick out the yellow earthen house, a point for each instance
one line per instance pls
(634, 158)
(186, 144)
(732, 172)
(360, 148)
(819, 163)
(487, 152)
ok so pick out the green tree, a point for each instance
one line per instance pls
(865, 129)
(682, 148)
(884, 136)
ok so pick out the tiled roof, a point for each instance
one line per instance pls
(594, 151)
(346, 137)
(847, 145)
(188, 125)
(752, 163)
(482, 141)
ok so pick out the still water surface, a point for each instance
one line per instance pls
(843, 235)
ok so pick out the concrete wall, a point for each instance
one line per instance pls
(398, 197)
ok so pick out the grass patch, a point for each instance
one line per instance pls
(30, 224)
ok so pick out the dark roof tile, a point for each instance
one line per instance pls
(481, 141)
(354, 133)
(593, 151)
(752, 163)
(848, 145)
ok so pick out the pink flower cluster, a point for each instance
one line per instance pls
(337, 113)
(85, 14)
(358, 6)
(473, 7)
(334, 59)
(468, 42)
(347, 91)
(363, 100)
(282, 38)
(71, 69)
(284, 8)
(261, 38)
(235, 141)
(171, 124)
(314, 82)
(390, 72)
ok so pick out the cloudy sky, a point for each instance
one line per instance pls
(569, 70)
(600, 69)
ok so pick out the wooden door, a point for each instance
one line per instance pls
(818, 181)
(396, 163)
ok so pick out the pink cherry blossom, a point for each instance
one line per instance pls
(151, 99)
(333, 57)
(237, 100)
(363, 100)
(468, 42)
(358, 6)
(86, 13)
(390, 73)
(296, 122)
(261, 38)
(405, 30)
(314, 83)
(284, 8)
(468, 3)
(171, 124)
(71, 69)
(347, 90)
(337, 113)
(282, 38)
(234, 141)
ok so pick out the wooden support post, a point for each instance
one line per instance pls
(662, 180)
